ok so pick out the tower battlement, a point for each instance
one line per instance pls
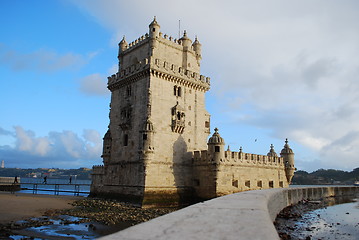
(240, 158)
(165, 39)
(164, 69)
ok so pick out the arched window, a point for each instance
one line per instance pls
(175, 90)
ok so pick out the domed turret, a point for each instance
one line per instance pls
(197, 47)
(271, 152)
(122, 46)
(215, 147)
(216, 138)
(288, 157)
(286, 149)
(154, 28)
(185, 41)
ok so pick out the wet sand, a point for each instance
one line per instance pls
(20, 206)
(63, 217)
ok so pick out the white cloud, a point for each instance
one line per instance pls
(25, 139)
(94, 84)
(43, 60)
(56, 149)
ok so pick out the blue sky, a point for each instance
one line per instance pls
(279, 69)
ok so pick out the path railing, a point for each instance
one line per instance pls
(56, 188)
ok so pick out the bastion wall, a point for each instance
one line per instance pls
(244, 215)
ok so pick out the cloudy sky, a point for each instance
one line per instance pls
(279, 69)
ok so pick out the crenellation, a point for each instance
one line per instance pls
(130, 70)
(98, 169)
(179, 72)
(136, 43)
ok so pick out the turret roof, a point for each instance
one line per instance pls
(123, 41)
(271, 152)
(216, 138)
(154, 22)
(286, 149)
(196, 42)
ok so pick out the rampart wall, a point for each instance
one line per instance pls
(241, 158)
(245, 215)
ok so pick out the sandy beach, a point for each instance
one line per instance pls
(20, 206)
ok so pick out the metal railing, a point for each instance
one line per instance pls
(55, 187)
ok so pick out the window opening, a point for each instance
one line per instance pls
(125, 140)
(128, 91)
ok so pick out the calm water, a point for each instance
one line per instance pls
(49, 188)
(333, 222)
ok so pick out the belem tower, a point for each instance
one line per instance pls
(156, 150)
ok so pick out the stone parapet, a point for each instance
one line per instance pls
(162, 38)
(177, 73)
(245, 215)
(240, 158)
(98, 170)
(8, 180)
(163, 69)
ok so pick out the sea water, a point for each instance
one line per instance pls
(334, 222)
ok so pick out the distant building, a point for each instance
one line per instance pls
(2, 164)
(155, 151)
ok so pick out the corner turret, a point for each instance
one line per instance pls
(216, 147)
(122, 46)
(185, 41)
(288, 157)
(154, 29)
(197, 47)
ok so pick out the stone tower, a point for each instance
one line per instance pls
(157, 119)
(288, 157)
